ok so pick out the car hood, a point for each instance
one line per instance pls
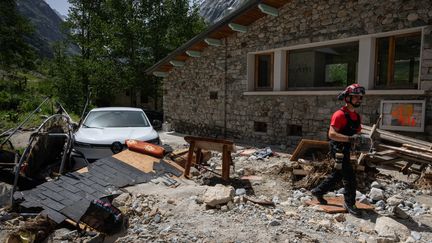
(106, 136)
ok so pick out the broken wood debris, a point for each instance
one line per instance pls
(403, 153)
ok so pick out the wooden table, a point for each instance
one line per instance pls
(219, 145)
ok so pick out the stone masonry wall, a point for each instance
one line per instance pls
(187, 103)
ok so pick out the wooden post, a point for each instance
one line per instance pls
(225, 162)
(189, 159)
(198, 157)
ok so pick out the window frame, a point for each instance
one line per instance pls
(256, 72)
(391, 64)
(287, 62)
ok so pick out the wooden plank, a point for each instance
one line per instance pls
(306, 144)
(335, 205)
(139, 161)
(404, 151)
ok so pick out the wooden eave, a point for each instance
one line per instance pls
(245, 15)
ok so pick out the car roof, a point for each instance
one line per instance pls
(116, 109)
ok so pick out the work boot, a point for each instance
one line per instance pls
(319, 197)
(353, 210)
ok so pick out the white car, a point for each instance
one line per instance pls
(105, 130)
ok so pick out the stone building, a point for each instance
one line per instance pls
(271, 70)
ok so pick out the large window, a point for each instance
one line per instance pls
(324, 67)
(264, 71)
(397, 61)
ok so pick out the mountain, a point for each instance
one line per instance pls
(213, 11)
(46, 22)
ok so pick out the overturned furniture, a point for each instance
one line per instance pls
(199, 143)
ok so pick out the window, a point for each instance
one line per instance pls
(397, 61)
(264, 71)
(324, 67)
(260, 127)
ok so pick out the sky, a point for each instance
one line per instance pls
(61, 6)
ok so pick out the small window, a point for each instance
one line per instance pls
(264, 71)
(213, 95)
(324, 67)
(397, 61)
(260, 127)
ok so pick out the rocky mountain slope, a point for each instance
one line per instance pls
(213, 11)
(46, 22)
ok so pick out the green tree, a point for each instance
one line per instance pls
(119, 39)
(14, 51)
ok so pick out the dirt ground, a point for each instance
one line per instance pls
(158, 213)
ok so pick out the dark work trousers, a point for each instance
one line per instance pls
(347, 176)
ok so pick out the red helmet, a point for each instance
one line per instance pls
(353, 89)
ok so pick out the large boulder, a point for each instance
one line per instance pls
(390, 229)
(218, 195)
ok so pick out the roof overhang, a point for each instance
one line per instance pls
(237, 21)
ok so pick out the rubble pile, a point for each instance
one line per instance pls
(266, 199)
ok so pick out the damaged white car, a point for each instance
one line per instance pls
(104, 131)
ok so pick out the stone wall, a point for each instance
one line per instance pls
(187, 103)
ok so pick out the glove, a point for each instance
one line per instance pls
(355, 139)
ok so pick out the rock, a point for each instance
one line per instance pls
(376, 194)
(395, 200)
(240, 191)
(224, 208)
(391, 229)
(339, 217)
(218, 194)
(157, 218)
(398, 212)
(194, 171)
(376, 184)
(236, 199)
(171, 201)
(325, 224)
(274, 222)
(380, 204)
(364, 199)
(415, 235)
(412, 17)
(63, 234)
(298, 194)
(5, 194)
(241, 171)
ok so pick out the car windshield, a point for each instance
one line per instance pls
(101, 119)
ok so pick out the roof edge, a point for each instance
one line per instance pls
(226, 20)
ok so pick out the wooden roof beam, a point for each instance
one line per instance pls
(238, 27)
(268, 9)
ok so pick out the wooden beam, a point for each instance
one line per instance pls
(160, 74)
(268, 9)
(238, 27)
(193, 53)
(213, 42)
(176, 63)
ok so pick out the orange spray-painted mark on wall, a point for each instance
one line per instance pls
(403, 113)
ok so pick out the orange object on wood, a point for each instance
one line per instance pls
(145, 148)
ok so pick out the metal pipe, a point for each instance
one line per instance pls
(28, 118)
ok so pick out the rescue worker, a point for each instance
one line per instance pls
(344, 130)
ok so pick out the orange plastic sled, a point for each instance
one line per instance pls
(145, 148)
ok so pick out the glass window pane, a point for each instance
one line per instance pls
(398, 61)
(100, 119)
(264, 70)
(330, 67)
(382, 61)
(407, 56)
